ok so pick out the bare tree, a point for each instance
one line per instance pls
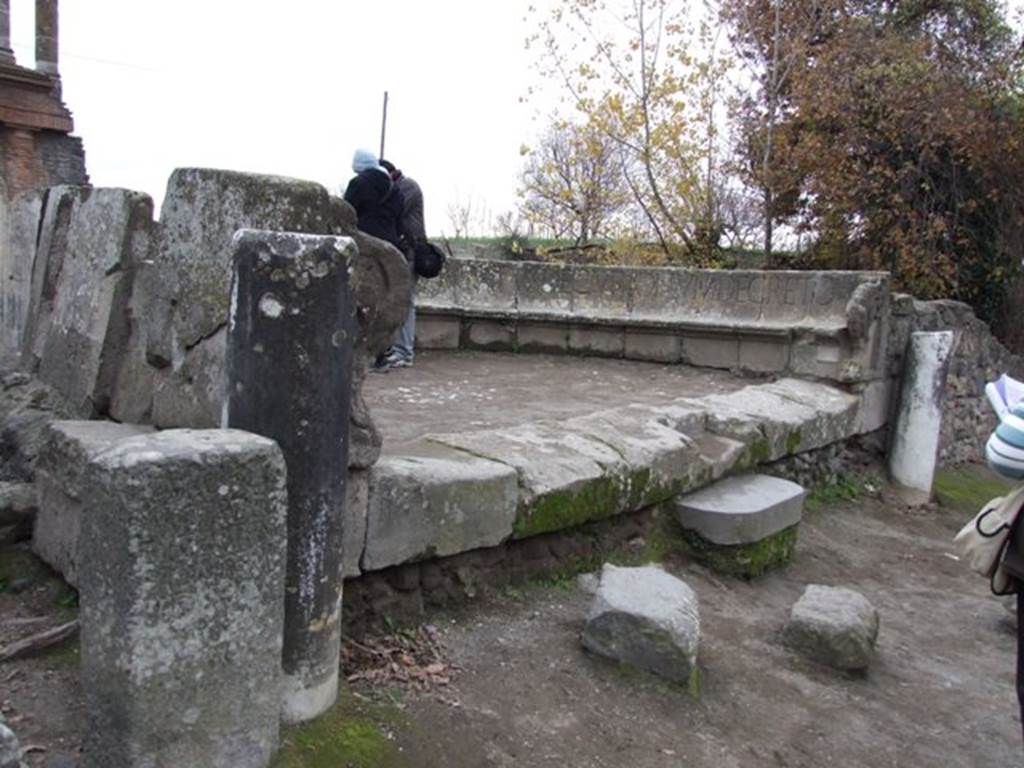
(572, 184)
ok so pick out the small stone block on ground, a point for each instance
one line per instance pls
(833, 625)
(646, 618)
(742, 525)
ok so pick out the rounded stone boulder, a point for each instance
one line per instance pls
(646, 618)
(833, 625)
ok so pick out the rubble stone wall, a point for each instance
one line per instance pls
(978, 357)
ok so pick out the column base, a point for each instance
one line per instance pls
(301, 702)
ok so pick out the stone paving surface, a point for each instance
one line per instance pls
(464, 391)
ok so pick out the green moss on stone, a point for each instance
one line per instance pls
(759, 451)
(693, 685)
(349, 735)
(967, 488)
(559, 510)
(793, 441)
(746, 560)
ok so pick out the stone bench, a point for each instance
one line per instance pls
(823, 324)
(743, 525)
(453, 493)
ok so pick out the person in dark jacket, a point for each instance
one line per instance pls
(378, 201)
(412, 231)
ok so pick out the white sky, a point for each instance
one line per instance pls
(293, 88)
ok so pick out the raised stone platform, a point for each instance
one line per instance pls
(742, 525)
(828, 325)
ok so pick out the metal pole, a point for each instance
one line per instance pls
(383, 124)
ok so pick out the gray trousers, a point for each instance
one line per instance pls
(404, 340)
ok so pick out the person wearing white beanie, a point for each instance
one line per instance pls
(378, 203)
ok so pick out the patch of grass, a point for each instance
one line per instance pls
(966, 488)
(351, 735)
(848, 488)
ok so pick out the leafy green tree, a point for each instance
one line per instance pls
(894, 135)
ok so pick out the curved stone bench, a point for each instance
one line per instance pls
(826, 325)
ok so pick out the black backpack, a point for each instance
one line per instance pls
(428, 260)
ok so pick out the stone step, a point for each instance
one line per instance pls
(744, 524)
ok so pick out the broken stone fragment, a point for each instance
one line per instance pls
(646, 618)
(833, 625)
(10, 748)
(17, 511)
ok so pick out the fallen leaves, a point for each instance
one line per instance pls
(410, 658)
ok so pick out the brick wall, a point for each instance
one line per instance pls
(36, 159)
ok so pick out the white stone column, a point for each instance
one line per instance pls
(914, 448)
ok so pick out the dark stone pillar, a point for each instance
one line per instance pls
(46, 37)
(6, 53)
(289, 377)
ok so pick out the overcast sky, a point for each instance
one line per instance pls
(294, 87)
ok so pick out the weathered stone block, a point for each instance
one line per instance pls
(646, 618)
(565, 478)
(484, 285)
(763, 355)
(191, 275)
(711, 351)
(487, 334)
(834, 625)
(193, 393)
(544, 289)
(183, 601)
(785, 417)
(661, 461)
(17, 255)
(49, 259)
(434, 501)
(742, 509)
(653, 346)
(604, 342)
(876, 404)
(109, 233)
(437, 332)
(353, 531)
(60, 473)
(542, 337)
(601, 291)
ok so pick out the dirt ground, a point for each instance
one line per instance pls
(940, 692)
(463, 391)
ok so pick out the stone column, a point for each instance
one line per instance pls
(289, 377)
(915, 442)
(47, 37)
(6, 53)
(182, 600)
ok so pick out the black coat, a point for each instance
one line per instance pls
(378, 204)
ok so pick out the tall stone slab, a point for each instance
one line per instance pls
(289, 369)
(17, 254)
(186, 290)
(915, 442)
(109, 232)
(50, 245)
(182, 601)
